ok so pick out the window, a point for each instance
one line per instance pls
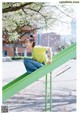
(4, 53)
(21, 54)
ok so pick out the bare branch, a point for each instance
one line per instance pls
(58, 20)
(58, 9)
(62, 12)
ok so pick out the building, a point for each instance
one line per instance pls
(73, 30)
(50, 39)
(70, 38)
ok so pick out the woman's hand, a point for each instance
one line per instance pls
(49, 62)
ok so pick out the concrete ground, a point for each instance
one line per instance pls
(32, 98)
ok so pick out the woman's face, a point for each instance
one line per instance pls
(28, 44)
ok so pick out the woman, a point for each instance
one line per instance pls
(39, 56)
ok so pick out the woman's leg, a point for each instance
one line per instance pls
(31, 65)
(36, 63)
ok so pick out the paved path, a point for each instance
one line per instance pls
(32, 98)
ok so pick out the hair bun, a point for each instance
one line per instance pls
(31, 36)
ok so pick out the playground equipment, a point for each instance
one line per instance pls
(25, 80)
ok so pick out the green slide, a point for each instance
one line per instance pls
(23, 81)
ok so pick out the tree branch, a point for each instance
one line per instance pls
(62, 12)
(11, 9)
(58, 9)
(24, 11)
(47, 18)
(37, 12)
(58, 20)
(28, 32)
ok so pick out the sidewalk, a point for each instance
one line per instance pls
(32, 98)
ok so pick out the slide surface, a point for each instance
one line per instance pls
(25, 80)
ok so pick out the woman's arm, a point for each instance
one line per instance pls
(49, 50)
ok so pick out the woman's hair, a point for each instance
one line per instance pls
(31, 39)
